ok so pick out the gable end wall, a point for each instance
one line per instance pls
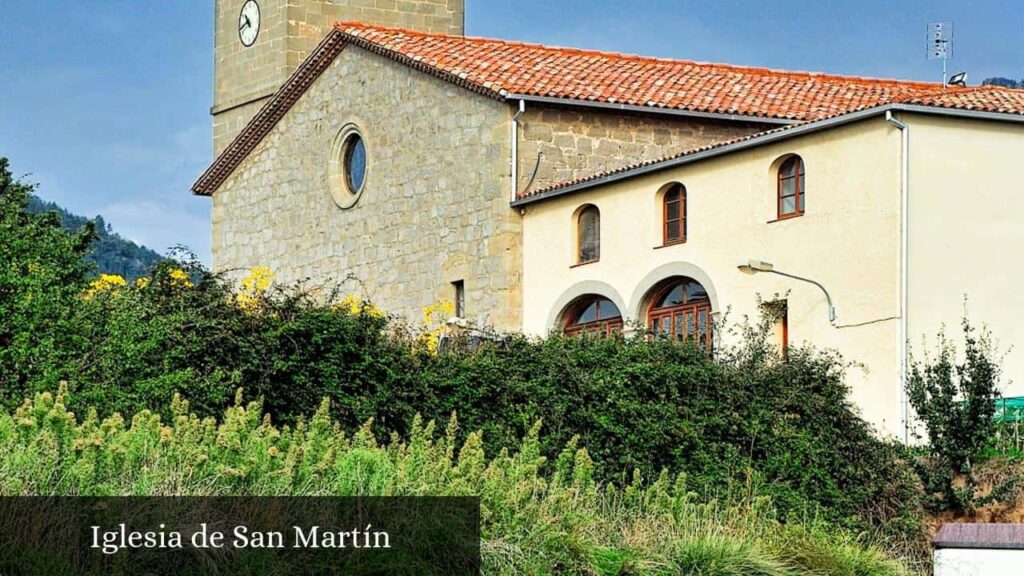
(434, 208)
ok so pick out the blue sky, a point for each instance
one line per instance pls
(105, 103)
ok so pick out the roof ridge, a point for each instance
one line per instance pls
(344, 26)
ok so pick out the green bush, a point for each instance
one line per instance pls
(786, 426)
(537, 518)
(743, 418)
(956, 402)
(182, 330)
(42, 276)
(743, 421)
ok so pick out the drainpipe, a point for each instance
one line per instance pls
(515, 150)
(904, 266)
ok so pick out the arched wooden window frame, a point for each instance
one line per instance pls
(595, 255)
(799, 193)
(690, 320)
(602, 327)
(675, 194)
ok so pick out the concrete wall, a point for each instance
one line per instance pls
(434, 207)
(578, 142)
(244, 78)
(848, 240)
(967, 233)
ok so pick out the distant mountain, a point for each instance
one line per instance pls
(111, 253)
(1004, 82)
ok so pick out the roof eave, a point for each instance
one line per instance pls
(652, 109)
(269, 114)
(959, 113)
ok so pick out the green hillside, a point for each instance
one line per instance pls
(111, 253)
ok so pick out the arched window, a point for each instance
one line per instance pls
(681, 310)
(588, 229)
(791, 187)
(674, 215)
(594, 316)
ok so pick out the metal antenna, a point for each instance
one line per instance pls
(939, 44)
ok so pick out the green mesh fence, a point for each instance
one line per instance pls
(1010, 409)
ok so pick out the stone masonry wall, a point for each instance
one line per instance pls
(435, 203)
(246, 77)
(578, 142)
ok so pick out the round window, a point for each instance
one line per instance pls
(346, 167)
(355, 163)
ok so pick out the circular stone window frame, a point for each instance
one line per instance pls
(337, 172)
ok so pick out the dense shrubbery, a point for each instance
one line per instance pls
(744, 421)
(538, 518)
(647, 406)
(42, 276)
(955, 401)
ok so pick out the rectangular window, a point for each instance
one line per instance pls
(792, 186)
(460, 298)
(674, 215)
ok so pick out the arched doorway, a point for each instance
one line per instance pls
(679, 309)
(594, 316)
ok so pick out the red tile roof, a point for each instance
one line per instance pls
(501, 69)
(979, 99)
(507, 68)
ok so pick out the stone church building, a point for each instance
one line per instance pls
(542, 188)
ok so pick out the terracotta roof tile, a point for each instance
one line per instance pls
(979, 99)
(499, 69)
(536, 70)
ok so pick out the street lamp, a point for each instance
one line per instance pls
(755, 266)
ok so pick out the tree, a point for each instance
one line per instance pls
(1004, 82)
(42, 275)
(956, 401)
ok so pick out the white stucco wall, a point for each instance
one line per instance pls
(974, 562)
(848, 240)
(967, 234)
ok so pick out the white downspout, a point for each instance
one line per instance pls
(904, 267)
(514, 136)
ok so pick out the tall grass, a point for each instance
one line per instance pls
(539, 517)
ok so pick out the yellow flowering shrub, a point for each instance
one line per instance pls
(355, 305)
(106, 283)
(435, 318)
(179, 278)
(254, 285)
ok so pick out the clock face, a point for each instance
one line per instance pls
(249, 23)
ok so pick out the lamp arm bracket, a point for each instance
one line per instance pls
(828, 297)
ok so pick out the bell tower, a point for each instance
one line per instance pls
(259, 43)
